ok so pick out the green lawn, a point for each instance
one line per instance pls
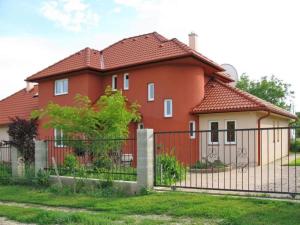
(295, 161)
(146, 209)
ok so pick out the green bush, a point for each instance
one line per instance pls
(169, 169)
(208, 165)
(295, 146)
(43, 178)
(70, 163)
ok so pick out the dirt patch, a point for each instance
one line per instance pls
(4, 221)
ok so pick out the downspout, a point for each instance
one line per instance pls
(259, 137)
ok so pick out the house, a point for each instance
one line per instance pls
(177, 87)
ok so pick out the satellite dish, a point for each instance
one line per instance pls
(231, 70)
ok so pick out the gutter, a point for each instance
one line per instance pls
(259, 137)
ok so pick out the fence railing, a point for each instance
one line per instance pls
(113, 158)
(5, 161)
(258, 160)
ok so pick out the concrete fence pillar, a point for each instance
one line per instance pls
(145, 158)
(17, 163)
(40, 155)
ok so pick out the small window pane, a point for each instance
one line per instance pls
(61, 87)
(58, 136)
(114, 82)
(126, 81)
(151, 92)
(168, 108)
(230, 131)
(192, 129)
(214, 135)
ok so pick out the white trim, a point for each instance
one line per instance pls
(61, 81)
(113, 83)
(151, 98)
(166, 106)
(209, 136)
(124, 81)
(55, 138)
(230, 142)
(193, 131)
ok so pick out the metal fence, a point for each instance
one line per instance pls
(113, 158)
(252, 160)
(5, 161)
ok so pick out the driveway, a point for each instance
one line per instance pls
(272, 177)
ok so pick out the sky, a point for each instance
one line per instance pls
(258, 37)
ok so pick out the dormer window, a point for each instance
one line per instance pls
(61, 87)
(114, 82)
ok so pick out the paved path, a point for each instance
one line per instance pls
(4, 221)
(273, 177)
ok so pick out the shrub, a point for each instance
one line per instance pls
(295, 146)
(70, 163)
(169, 170)
(208, 165)
(43, 178)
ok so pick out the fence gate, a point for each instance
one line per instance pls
(5, 160)
(252, 160)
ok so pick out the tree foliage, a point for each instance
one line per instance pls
(22, 133)
(108, 118)
(270, 89)
(298, 125)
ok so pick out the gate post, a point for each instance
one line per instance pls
(145, 159)
(17, 163)
(40, 155)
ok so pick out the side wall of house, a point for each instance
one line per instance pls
(274, 144)
(234, 154)
(3, 133)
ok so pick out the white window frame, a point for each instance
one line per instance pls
(226, 141)
(192, 132)
(126, 85)
(114, 82)
(151, 86)
(64, 92)
(209, 136)
(61, 145)
(166, 107)
(140, 126)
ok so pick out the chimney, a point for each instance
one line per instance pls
(193, 41)
(29, 86)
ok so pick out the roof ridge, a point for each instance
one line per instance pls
(11, 95)
(124, 39)
(78, 52)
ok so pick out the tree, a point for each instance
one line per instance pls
(272, 90)
(22, 133)
(107, 119)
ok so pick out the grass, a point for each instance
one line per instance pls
(294, 162)
(177, 205)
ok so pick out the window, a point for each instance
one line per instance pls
(192, 129)
(274, 134)
(126, 81)
(168, 111)
(214, 132)
(151, 92)
(230, 132)
(58, 136)
(140, 126)
(61, 87)
(114, 82)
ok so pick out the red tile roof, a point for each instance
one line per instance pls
(221, 97)
(20, 104)
(131, 51)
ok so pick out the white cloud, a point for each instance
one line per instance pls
(72, 15)
(257, 37)
(23, 56)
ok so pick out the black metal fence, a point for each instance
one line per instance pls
(252, 160)
(5, 161)
(112, 158)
